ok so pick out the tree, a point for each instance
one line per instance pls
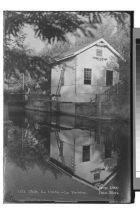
(47, 25)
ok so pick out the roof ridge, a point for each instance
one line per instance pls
(87, 46)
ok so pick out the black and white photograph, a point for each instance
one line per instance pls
(67, 106)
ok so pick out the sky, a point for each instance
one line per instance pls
(32, 41)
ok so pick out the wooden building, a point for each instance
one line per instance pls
(82, 74)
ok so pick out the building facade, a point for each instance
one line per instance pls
(80, 76)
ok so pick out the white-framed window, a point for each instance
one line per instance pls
(109, 77)
(87, 76)
(99, 52)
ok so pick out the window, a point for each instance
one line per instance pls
(87, 76)
(99, 52)
(109, 78)
(86, 153)
(97, 176)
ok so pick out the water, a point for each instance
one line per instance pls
(65, 158)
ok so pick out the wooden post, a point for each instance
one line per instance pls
(23, 81)
(99, 105)
(75, 73)
(75, 115)
(74, 155)
(50, 109)
(50, 104)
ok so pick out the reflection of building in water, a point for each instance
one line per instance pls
(90, 155)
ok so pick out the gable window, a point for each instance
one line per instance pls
(86, 153)
(109, 78)
(87, 76)
(99, 52)
(97, 176)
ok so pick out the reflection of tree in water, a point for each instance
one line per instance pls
(107, 134)
(123, 167)
(116, 138)
(29, 146)
(119, 136)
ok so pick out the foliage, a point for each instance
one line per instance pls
(51, 26)
(56, 49)
(28, 147)
(47, 25)
(18, 59)
(117, 33)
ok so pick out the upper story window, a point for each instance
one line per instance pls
(87, 76)
(99, 52)
(109, 78)
(86, 153)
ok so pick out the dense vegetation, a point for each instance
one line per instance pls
(56, 30)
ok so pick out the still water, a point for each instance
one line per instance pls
(65, 158)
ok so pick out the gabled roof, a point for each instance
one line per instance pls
(74, 52)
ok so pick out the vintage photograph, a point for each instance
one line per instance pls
(67, 106)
